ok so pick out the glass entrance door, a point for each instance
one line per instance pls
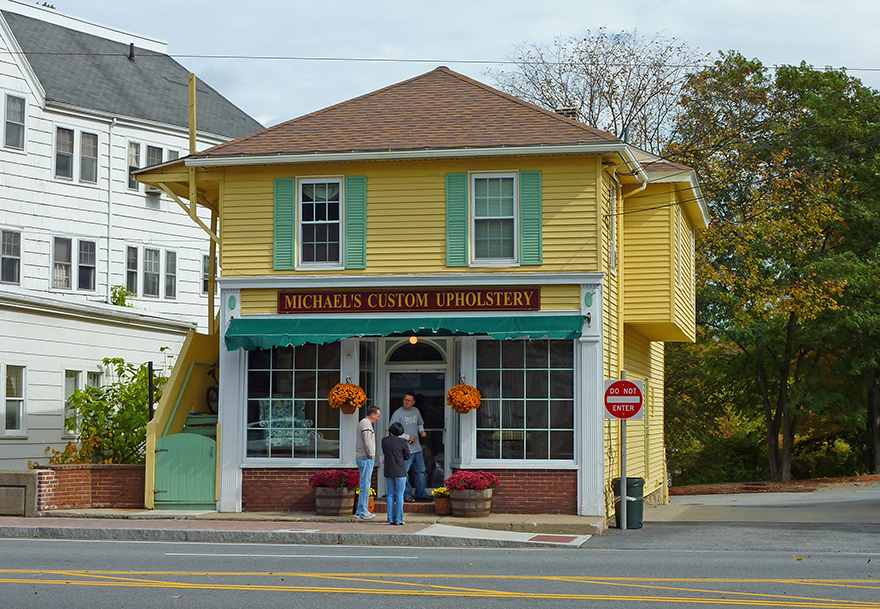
(430, 393)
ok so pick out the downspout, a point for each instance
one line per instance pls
(109, 202)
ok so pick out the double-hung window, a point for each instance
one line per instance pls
(10, 257)
(170, 274)
(152, 270)
(61, 263)
(320, 223)
(494, 213)
(131, 269)
(71, 385)
(14, 123)
(64, 153)
(88, 158)
(320, 206)
(87, 265)
(154, 156)
(13, 401)
(134, 163)
(494, 219)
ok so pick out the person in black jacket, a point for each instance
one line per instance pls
(395, 451)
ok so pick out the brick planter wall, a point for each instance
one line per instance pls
(521, 491)
(61, 487)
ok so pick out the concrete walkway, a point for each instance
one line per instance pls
(497, 530)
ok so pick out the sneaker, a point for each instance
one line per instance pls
(367, 516)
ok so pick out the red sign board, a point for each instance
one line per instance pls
(410, 300)
(624, 399)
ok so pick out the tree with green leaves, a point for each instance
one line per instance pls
(787, 165)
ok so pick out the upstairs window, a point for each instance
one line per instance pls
(131, 269)
(494, 219)
(64, 153)
(170, 274)
(14, 128)
(61, 263)
(152, 268)
(320, 222)
(494, 216)
(10, 257)
(134, 163)
(88, 158)
(154, 156)
(87, 265)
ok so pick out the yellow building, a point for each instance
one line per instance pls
(434, 232)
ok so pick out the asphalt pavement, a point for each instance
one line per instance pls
(846, 505)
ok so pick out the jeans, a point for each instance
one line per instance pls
(395, 488)
(365, 467)
(416, 462)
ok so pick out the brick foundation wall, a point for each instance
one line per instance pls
(62, 487)
(520, 492)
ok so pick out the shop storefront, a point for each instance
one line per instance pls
(529, 362)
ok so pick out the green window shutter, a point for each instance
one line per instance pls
(531, 218)
(285, 224)
(457, 219)
(356, 222)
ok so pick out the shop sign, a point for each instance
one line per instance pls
(410, 300)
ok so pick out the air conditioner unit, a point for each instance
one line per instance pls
(152, 190)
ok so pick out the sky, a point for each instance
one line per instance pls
(470, 37)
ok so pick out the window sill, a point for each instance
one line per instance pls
(320, 267)
(489, 264)
(14, 437)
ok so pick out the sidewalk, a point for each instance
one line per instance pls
(497, 530)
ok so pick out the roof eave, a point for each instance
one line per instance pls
(402, 155)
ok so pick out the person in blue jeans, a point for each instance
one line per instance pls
(395, 452)
(365, 453)
(413, 429)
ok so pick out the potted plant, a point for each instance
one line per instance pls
(470, 492)
(334, 491)
(371, 504)
(463, 398)
(347, 397)
(441, 501)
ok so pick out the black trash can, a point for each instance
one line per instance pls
(635, 501)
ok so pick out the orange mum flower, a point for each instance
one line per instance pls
(463, 398)
(347, 394)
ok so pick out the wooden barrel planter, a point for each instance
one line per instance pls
(442, 506)
(334, 501)
(471, 503)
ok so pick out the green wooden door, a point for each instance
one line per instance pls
(185, 472)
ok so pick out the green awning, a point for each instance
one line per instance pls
(263, 333)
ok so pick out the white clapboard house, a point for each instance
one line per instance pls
(83, 106)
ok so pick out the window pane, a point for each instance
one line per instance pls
(170, 274)
(320, 212)
(64, 153)
(88, 160)
(525, 419)
(151, 272)
(71, 384)
(87, 265)
(61, 263)
(14, 398)
(296, 421)
(134, 163)
(131, 270)
(10, 257)
(15, 107)
(154, 156)
(206, 274)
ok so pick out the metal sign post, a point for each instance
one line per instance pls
(623, 400)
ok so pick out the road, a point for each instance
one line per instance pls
(663, 565)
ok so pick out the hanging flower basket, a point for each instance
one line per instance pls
(347, 397)
(463, 398)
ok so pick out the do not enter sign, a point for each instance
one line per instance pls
(624, 399)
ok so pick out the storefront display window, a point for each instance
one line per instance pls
(527, 411)
(288, 416)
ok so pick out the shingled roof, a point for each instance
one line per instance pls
(94, 73)
(435, 111)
